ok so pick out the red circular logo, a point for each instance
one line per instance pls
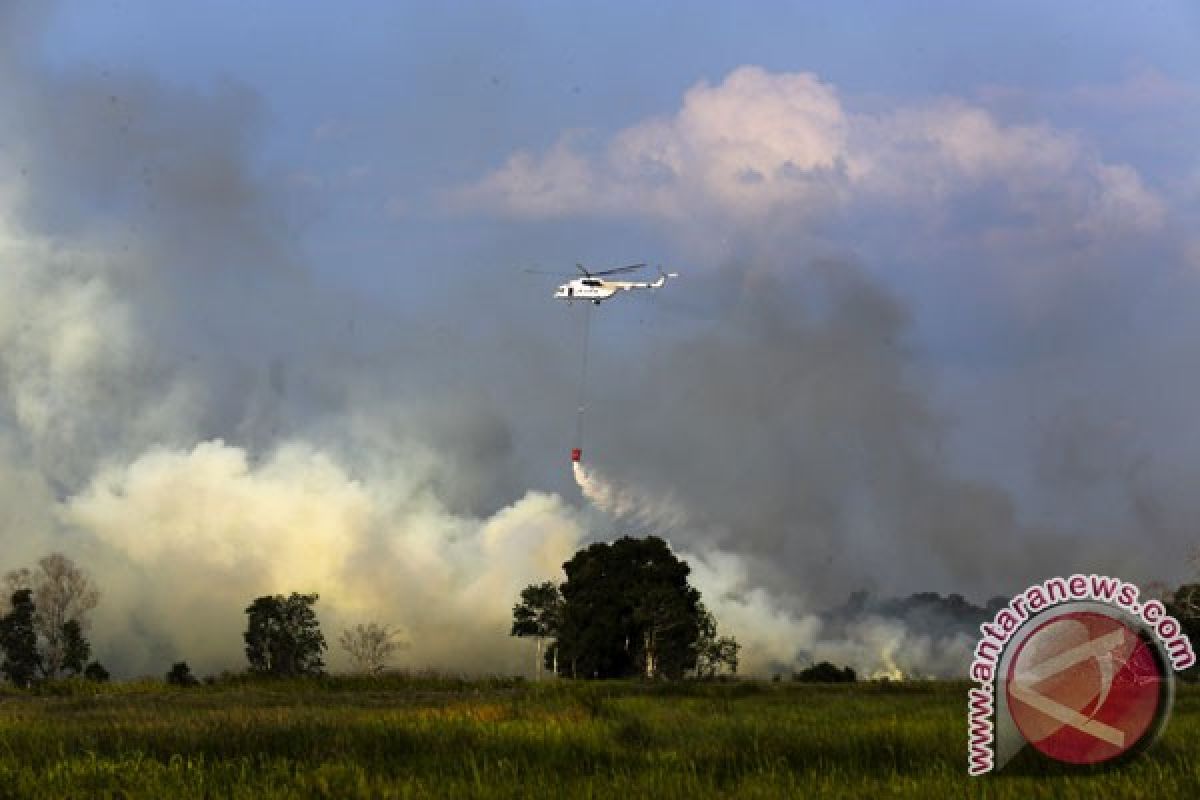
(1084, 687)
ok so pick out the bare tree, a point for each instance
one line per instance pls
(370, 646)
(62, 593)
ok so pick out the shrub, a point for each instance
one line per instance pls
(181, 675)
(825, 672)
(95, 671)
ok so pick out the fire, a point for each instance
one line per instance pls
(889, 669)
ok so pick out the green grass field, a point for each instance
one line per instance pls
(437, 737)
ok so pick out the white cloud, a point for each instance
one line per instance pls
(762, 143)
(753, 142)
(559, 182)
(1119, 200)
(1142, 88)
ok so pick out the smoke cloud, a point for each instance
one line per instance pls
(183, 413)
(924, 636)
(206, 529)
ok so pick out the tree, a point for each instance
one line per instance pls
(283, 637)
(370, 646)
(628, 609)
(75, 648)
(662, 612)
(180, 674)
(62, 593)
(539, 615)
(19, 640)
(714, 653)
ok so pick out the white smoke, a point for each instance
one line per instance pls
(880, 647)
(199, 533)
(177, 419)
(627, 503)
(774, 631)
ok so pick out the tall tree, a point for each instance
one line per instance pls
(539, 615)
(283, 637)
(628, 609)
(370, 646)
(19, 640)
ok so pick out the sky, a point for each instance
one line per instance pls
(264, 324)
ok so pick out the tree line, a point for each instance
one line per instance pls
(625, 609)
(43, 625)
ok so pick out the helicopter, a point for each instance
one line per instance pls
(593, 285)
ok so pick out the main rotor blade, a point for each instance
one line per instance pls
(544, 272)
(615, 270)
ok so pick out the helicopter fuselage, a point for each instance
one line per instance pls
(597, 290)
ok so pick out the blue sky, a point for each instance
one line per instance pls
(380, 106)
(939, 265)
